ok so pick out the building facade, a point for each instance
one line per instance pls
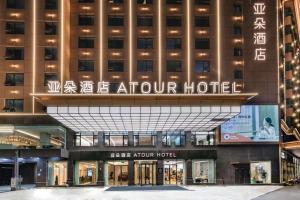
(140, 92)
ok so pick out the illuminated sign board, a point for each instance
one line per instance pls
(259, 35)
(255, 123)
(102, 87)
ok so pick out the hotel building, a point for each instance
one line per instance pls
(140, 92)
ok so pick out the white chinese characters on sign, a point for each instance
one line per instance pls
(260, 36)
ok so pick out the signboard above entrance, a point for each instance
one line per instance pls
(89, 87)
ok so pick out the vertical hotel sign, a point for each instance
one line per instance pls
(259, 34)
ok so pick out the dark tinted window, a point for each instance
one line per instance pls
(50, 53)
(202, 21)
(15, 4)
(237, 30)
(144, 21)
(144, 65)
(145, 43)
(86, 65)
(174, 66)
(86, 20)
(14, 79)
(115, 66)
(174, 21)
(51, 4)
(14, 53)
(50, 77)
(115, 21)
(86, 1)
(14, 105)
(144, 1)
(15, 28)
(237, 8)
(50, 28)
(202, 2)
(116, 1)
(202, 43)
(238, 52)
(238, 74)
(174, 1)
(173, 43)
(202, 66)
(114, 43)
(86, 43)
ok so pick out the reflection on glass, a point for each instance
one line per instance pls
(86, 173)
(203, 138)
(203, 171)
(145, 172)
(116, 139)
(86, 139)
(57, 173)
(145, 139)
(173, 139)
(174, 172)
(117, 173)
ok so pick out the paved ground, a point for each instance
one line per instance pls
(142, 193)
(286, 193)
(6, 188)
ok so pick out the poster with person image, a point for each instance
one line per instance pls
(255, 123)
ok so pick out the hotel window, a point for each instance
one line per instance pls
(174, 66)
(173, 21)
(51, 4)
(86, 65)
(86, 139)
(202, 66)
(203, 171)
(15, 4)
(173, 43)
(202, 2)
(237, 8)
(50, 77)
(115, 66)
(203, 138)
(238, 52)
(145, 43)
(202, 43)
(117, 139)
(86, 42)
(50, 28)
(115, 1)
(174, 1)
(144, 1)
(115, 21)
(86, 20)
(144, 21)
(202, 21)
(238, 74)
(50, 53)
(86, 1)
(115, 43)
(14, 105)
(144, 65)
(14, 53)
(173, 139)
(237, 30)
(144, 139)
(15, 28)
(14, 79)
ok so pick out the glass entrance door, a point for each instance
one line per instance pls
(145, 172)
(117, 173)
(173, 172)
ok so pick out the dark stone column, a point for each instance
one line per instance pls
(101, 140)
(41, 172)
(130, 139)
(130, 172)
(100, 180)
(159, 140)
(188, 138)
(70, 171)
(160, 172)
(189, 172)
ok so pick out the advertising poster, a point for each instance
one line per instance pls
(255, 123)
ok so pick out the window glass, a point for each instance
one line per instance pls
(14, 79)
(15, 28)
(173, 43)
(203, 138)
(86, 65)
(174, 1)
(15, 4)
(173, 139)
(202, 66)
(144, 138)
(145, 43)
(51, 4)
(50, 53)
(174, 66)
(50, 28)
(144, 65)
(50, 77)
(144, 1)
(115, 66)
(202, 2)
(144, 21)
(86, 1)
(202, 43)
(86, 20)
(14, 105)
(115, 21)
(115, 43)
(203, 171)
(14, 53)
(238, 74)
(173, 21)
(86, 139)
(260, 172)
(116, 139)
(202, 21)
(86, 42)
(237, 51)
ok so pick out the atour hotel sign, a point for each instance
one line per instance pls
(102, 87)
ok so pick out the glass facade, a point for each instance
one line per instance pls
(260, 172)
(86, 173)
(145, 172)
(116, 173)
(145, 139)
(116, 139)
(57, 173)
(174, 172)
(176, 139)
(203, 171)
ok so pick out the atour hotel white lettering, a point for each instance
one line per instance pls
(88, 87)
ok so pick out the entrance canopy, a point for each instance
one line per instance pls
(143, 118)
